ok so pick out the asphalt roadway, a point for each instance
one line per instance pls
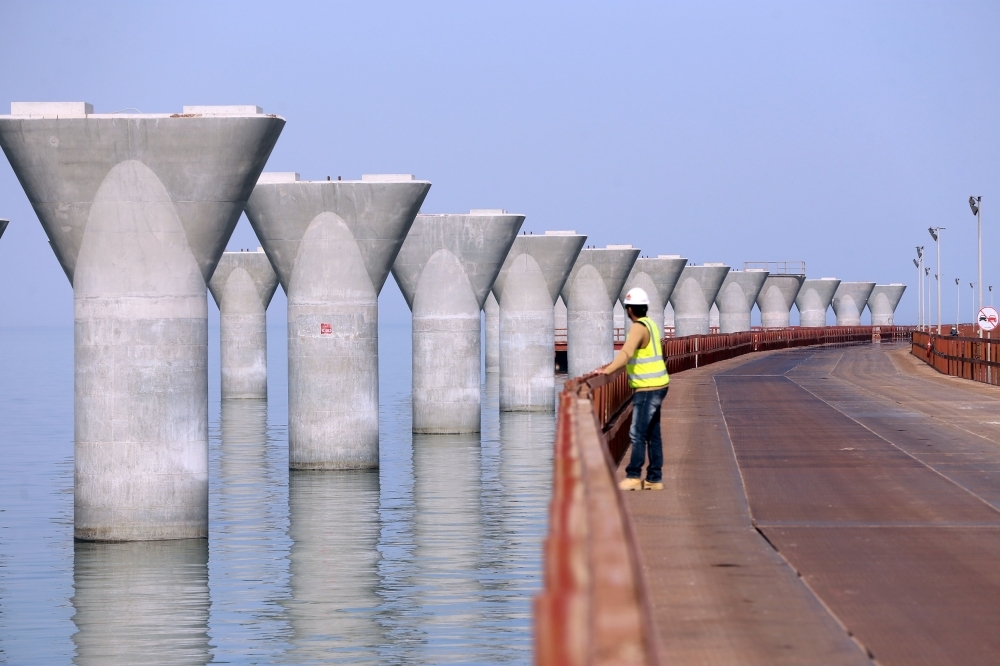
(825, 506)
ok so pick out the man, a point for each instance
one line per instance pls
(642, 358)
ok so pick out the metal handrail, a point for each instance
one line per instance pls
(972, 358)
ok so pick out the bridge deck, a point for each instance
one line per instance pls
(826, 506)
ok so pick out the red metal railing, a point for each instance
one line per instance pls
(967, 357)
(594, 608)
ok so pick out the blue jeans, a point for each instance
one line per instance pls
(646, 428)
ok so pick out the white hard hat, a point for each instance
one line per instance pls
(636, 296)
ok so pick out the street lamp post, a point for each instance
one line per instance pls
(976, 204)
(958, 303)
(936, 235)
(919, 262)
(975, 310)
(927, 297)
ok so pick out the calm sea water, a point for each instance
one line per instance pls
(434, 558)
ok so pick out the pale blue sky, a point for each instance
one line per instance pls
(835, 133)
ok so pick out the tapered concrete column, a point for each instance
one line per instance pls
(849, 302)
(736, 299)
(445, 270)
(242, 285)
(141, 603)
(560, 313)
(492, 310)
(693, 296)
(3, 226)
(883, 301)
(334, 527)
(776, 298)
(529, 283)
(657, 277)
(813, 300)
(332, 244)
(590, 293)
(138, 209)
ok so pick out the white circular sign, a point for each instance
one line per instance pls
(988, 318)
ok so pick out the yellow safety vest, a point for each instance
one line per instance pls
(646, 368)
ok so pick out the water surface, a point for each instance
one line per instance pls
(431, 559)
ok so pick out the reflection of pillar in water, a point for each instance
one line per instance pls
(334, 526)
(448, 537)
(525, 476)
(248, 565)
(141, 602)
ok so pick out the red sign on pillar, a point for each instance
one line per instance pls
(325, 329)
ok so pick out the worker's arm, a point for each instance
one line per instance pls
(638, 337)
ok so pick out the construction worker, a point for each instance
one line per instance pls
(642, 358)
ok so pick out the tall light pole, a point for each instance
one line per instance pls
(920, 298)
(921, 311)
(927, 297)
(976, 204)
(936, 235)
(975, 310)
(958, 303)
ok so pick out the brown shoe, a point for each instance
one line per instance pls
(646, 485)
(630, 484)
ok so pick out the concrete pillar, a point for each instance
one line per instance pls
(242, 285)
(736, 299)
(560, 314)
(883, 301)
(813, 300)
(657, 277)
(332, 244)
(141, 603)
(492, 310)
(693, 297)
(590, 293)
(445, 270)
(528, 285)
(776, 298)
(3, 226)
(334, 528)
(618, 315)
(849, 302)
(138, 209)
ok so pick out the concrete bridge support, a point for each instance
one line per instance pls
(883, 301)
(3, 226)
(692, 298)
(776, 298)
(813, 300)
(242, 285)
(530, 280)
(849, 302)
(657, 277)
(737, 297)
(492, 312)
(445, 270)
(332, 244)
(590, 293)
(138, 209)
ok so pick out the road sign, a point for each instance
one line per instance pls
(988, 318)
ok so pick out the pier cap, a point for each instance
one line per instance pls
(479, 242)
(371, 216)
(72, 162)
(553, 255)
